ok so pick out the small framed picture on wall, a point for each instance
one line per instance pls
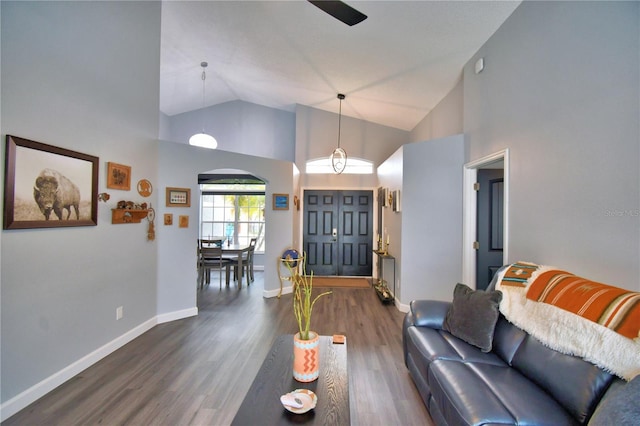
(118, 176)
(280, 201)
(178, 197)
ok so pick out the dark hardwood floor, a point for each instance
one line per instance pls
(196, 371)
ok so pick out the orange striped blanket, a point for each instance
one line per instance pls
(574, 316)
(612, 307)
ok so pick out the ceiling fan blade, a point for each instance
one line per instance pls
(340, 11)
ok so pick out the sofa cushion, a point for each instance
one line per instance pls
(480, 394)
(427, 345)
(620, 406)
(506, 339)
(472, 316)
(577, 384)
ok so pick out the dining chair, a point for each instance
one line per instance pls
(247, 262)
(207, 243)
(210, 257)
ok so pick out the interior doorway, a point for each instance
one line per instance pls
(470, 270)
(338, 232)
(489, 224)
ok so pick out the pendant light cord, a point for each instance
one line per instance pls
(341, 97)
(339, 120)
(203, 139)
(204, 77)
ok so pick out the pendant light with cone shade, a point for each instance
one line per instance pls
(339, 155)
(203, 139)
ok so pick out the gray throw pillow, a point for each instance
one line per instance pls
(620, 407)
(473, 315)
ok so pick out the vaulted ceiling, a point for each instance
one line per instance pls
(393, 67)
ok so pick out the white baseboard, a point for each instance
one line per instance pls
(402, 307)
(274, 293)
(37, 391)
(176, 315)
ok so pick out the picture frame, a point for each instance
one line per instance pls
(35, 175)
(118, 176)
(183, 221)
(397, 207)
(280, 201)
(178, 197)
(168, 219)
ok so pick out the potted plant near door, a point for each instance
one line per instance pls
(306, 361)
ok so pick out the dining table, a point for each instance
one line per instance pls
(237, 250)
(230, 251)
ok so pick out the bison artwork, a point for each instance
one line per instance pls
(53, 191)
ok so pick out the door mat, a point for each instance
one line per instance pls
(341, 282)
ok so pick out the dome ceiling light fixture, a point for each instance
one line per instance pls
(339, 155)
(203, 139)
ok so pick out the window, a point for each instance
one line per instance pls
(233, 212)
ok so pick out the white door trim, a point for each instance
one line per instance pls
(469, 213)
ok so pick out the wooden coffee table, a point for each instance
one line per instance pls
(261, 405)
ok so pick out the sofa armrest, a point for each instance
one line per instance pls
(427, 313)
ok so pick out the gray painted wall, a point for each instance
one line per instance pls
(561, 96)
(432, 218)
(317, 137)
(564, 99)
(240, 127)
(1, 196)
(391, 176)
(180, 165)
(443, 120)
(426, 236)
(65, 83)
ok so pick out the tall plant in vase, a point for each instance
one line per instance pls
(306, 361)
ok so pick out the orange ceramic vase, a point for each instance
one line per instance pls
(306, 360)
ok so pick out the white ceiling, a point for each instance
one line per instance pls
(394, 67)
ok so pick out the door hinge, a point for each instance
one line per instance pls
(476, 245)
(476, 186)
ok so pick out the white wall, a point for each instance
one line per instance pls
(564, 99)
(82, 76)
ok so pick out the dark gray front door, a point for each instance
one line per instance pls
(338, 228)
(490, 225)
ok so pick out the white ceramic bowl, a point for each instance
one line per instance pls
(306, 397)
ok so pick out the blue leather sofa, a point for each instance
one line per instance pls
(519, 381)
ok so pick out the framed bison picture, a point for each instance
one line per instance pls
(48, 187)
